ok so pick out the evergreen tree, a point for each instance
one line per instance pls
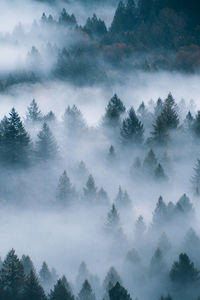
(188, 123)
(12, 277)
(132, 129)
(45, 276)
(158, 108)
(159, 173)
(160, 213)
(118, 292)
(66, 284)
(159, 133)
(157, 266)
(112, 277)
(119, 19)
(64, 192)
(114, 110)
(32, 289)
(60, 292)
(102, 197)
(83, 274)
(122, 199)
(113, 219)
(34, 114)
(90, 191)
(86, 292)
(74, 120)
(133, 257)
(95, 27)
(111, 154)
(196, 125)
(27, 265)
(166, 298)
(184, 205)
(140, 227)
(67, 20)
(150, 161)
(15, 141)
(183, 271)
(49, 117)
(196, 178)
(46, 147)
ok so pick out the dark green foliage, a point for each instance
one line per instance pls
(15, 141)
(166, 122)
(86, 292)
(157, 265)
(118, 292)
(33, 114)
(95, 27)
(114, 110)
(132, 129)
(60, 292)
(46, 147)
(183, 271)
(110, 281)
(27, 265)
(66, 20)
(32, 289)
(12, 277)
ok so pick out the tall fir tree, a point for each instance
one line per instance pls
(64, 192)
(12, 277)
(118, 292)
(46, 147)
(33, 112)
(27, 265)
(32, 289)
(132, 129)
(114, 110)
(90, 191)
(15, 141)
(86, 292)
(60, 292)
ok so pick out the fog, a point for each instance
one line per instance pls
(65, 219)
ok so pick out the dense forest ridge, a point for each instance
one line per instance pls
(19, 279)
(150, 36)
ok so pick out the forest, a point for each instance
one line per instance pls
(99, 150)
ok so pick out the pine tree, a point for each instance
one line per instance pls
(95, 27)
(158, 108)
(166, 298)
(27, 265)
(132, 129)
(64, 191)
(83, 274)
(159, 133)
(119, 19)
(86, 292)
(188, 123)
(113, 219)
(102, 197)
(122, 199)
(118, 292)
(112, 277)
(140, 227)
(45, 276)
(34, 114)
(150, 161)
(90, 191)
(67, 20)
(183, 271)
(60, 292)
(160, 213)
(66, 284)
(73, 120)
(49, 117)
(32, 289)
(184, 205)
(133, 257)
(12, 277)
(46, 147)
(159, 173)
(196, 178)
(157, 266)
(15, 140)
(114, 111)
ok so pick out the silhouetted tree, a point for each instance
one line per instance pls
(27, 265)
(46, 147)
(60, 292)
(33, 113)
(86, 292)
(118, 292)
(32, 289)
